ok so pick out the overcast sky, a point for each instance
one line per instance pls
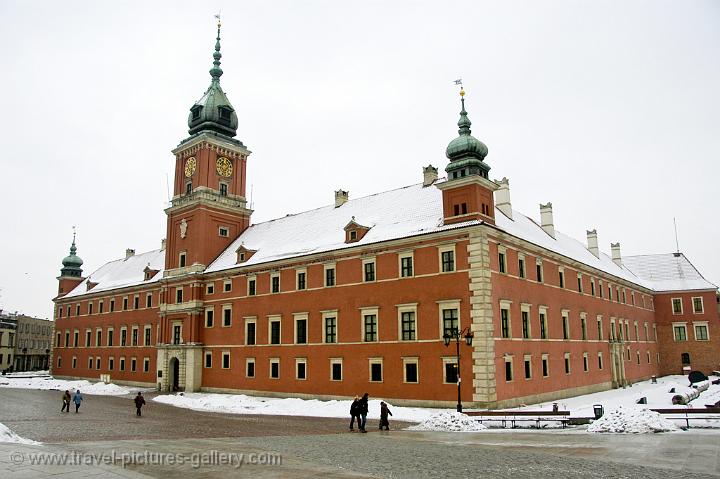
(608, 109)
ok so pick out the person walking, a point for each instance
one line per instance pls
(354, 413)
(77, 399)
(363, 411)
(384, 411)
(139, 402)
(66, 401)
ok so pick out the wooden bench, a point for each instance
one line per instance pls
(513, 417)
(688, 414)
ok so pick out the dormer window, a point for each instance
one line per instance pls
(149, 273)
(195, 111)
(244, 254)
(225, 114)
(354, 231)
(353, 235)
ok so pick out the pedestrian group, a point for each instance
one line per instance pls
(359, 412)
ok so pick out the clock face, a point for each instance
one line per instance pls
(224, 167)
(190, 165)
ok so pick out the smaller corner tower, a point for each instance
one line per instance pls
(467, 192)
(71, 272)
(209, 207)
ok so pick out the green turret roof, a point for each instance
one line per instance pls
(213, 112)
(72, 263)
(466, 153)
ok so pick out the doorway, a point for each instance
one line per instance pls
(174, 375)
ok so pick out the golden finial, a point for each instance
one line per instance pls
(218, 19)
(462, 92)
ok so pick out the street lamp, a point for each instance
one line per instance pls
(456, 334)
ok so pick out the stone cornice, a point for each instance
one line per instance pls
(206, 141)
(203, 195)
(467, 180)
(186, 307)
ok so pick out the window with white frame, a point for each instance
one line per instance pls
(301, 369)
(508, 368)
(545, 365)
(250, 330)
(275, 283)
(542, 315)
(583, 326)
(449, 316)
(274, 368)
(210, 288)
(209, 317)
(329, 321)
(450, 375)
(301, 279)
(697, 302)
(599, 328)
(274, 325)
(527, 366)
(600, 360)
(505, 327)
(701, 331)
(227, 315)
(410, 370)
(585, 362)
(368, 270)
(369, 324)
(376, 370)
(226, 359)
(329, 274)
(677, 306)
(249, 367)
(522, 273)
(567, 363)
(227, 286)
(208, 359)
(502, 259)
(680, 331)
(251, 286)
(407, 325)
(301, 333)
(566, 323)
(447, 258)
(525, 320)
(538, 270)
(406, 265)
(336, 369)
(561, 277)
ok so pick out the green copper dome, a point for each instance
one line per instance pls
(213, 112)
(466, 153)
(72, 263)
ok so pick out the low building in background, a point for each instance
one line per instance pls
(8, 328)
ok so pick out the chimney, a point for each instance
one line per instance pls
(341, 197)
(546, 219)
(129, 252)
(430, 175)
(162, 243)
(593, 243)
(502, 197)
(615, 249)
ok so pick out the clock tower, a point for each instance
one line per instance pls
(208, 208)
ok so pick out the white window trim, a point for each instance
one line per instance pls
(247, 285)
(272, 318)
(205, 356)
(368, 311)
(702, 304)
(340, 362)
(601, 361)
(565, 316)
(225, 354)
(299, 361)
(672, 306)
(208, 286)
(446, 304)
(208, 309)
(543, 311)
(522, 274)
(300, 317)
(406, 254)
(226, 283)
(273, 276)
(406, 308)
(584, 321)
(146, 328)
(526, 308)
(599, 320)
(368, 261)
(332, 313)
(546, 358)
(505, 304)
(586, 363)
(707, 328)
(684, 325)
(527, 357)
(247, 320)
(372, 361)
(508, 358)
(444, 249)
(326, 267)
(297, 279)
(248, 361)
(226, 307)
(569, 368)
(227, 231)
(411, 360)
(502, 250)
(272, 361)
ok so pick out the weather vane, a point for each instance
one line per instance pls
(459, 82)
(217, 15)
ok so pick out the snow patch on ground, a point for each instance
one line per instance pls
(6, 435)
(50, 383)
(243, 404)
(632, 420)
(449, 421)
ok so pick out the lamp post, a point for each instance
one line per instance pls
(456, 334)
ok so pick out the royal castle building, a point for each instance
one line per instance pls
(363, 294)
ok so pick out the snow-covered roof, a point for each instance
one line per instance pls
(668, 272)
(123, 273)
(400, 213)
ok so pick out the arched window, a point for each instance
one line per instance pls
(685, 358)
(188, 187)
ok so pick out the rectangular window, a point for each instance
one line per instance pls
(561, 278)
(407, 319)
(330, 329)
(226, 360)
(250, 367)
(90, 363)
(545, 366)
(275, 368)
(543, 325)
(411, 370)
(447, 259)
(370, 323)
(177, 334)
(600, 361)
(521, 266)
(146, 365)
(585, 361)
(209, 318)
(223, 189)
(501, 262)
(528, 368)
(301, 331)
(637, 334)
(508, 369)
(250, 332)
(592, 286)
(406, 266)
(301, 280)
(148, 332)
(227, 286)
(90, 307)
(624, 297)
(600, 288)
(111, 364)
(88, 338)
(525, 316)
(505, 322)
(275, 283)
(583, 328)
(336, 369)
(251, 286)
(275, 331)
(98, 337)
(110, 337)
(617, 294)
(369, 271)
(329, 276)
(224, 231)
(148, 300)
(567, 363)
(133, 365)
(697, 305)
(134, 336)
(122, 364)
(136, 302)
(599, 328)
(565, 325)
(701, 332)
(178, 295)
(208, 359)
(125, 304)
(538, 271)
(112, 305)
(301, 369)
(450, 321)
(376, 371)
(100, 306)
(182, 259)
(210, 288)
(227, 316)
(579, 283)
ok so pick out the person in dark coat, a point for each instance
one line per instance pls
(363, 411)
(384, 411)
(139, 402)
(354, 413)
(77, 399)
(66, 401)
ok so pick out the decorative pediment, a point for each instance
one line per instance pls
(150, 273)
(354, 231)
(244, 253)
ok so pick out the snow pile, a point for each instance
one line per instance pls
(630, 420)
(85, 387)
(243, 404)
(449, 421)
(6, 435)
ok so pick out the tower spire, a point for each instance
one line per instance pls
(72, 263)
(216, 72)
(464, 122)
